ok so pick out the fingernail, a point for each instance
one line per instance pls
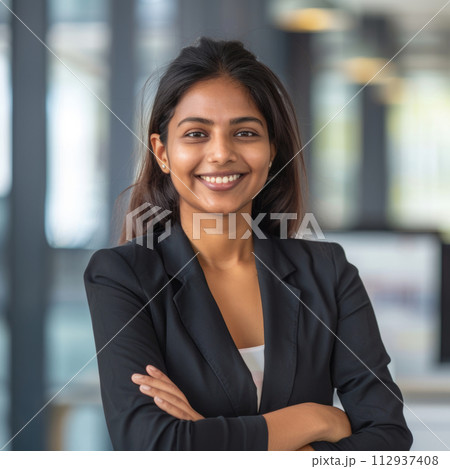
(136, 376)
(158, 399)
(144, 387)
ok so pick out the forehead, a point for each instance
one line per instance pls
(217, 98)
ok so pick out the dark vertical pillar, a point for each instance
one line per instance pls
(299, 72)
(300, 69)
(374, 174)
(28, 252)
(122, 103)
(373, 180)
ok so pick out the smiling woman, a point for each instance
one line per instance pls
(247, 90)
(227, 334)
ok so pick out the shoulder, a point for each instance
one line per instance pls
(127, 263)
(314, 251)
(316, 261)
(128, 253)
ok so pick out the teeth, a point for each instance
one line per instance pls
(221, 180)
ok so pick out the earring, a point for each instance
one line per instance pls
(163, 166)
(270, 164)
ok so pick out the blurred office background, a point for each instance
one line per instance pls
(378, 158)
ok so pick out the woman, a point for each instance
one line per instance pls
(233, 339)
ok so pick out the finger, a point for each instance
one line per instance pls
(174, 410)
(184, 411)
(167, 396)
(156, 383)
(179, 408)
(157, 373)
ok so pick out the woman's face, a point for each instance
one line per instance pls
(216, 131)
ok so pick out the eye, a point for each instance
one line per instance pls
(246, 133)
(195, 134)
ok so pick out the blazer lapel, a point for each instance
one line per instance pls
(281, 311)
(204, 322)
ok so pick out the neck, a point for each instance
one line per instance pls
(218, 248)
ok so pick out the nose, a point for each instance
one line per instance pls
(220, 150)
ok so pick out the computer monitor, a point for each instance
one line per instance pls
(401, 271)
(445, 304)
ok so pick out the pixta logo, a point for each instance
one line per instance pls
(143, 227)
(309, 228)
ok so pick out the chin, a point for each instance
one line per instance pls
(223, 210)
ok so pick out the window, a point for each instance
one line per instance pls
(419, 145)
(77, 124)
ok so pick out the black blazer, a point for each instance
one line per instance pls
(148, 307)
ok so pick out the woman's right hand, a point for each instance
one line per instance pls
(335, 422)
(296, 426)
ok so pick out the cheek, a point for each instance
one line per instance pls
(258, 158)
(184, 160)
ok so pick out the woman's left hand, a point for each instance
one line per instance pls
(166, 394)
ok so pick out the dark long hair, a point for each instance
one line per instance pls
(209, 59)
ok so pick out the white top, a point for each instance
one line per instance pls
(254, 359)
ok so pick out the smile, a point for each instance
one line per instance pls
(222, 183)
(221, 180)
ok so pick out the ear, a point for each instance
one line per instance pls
(273, 151)
(159, 152)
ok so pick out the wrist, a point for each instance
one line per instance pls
(293, 427)
(319, 423)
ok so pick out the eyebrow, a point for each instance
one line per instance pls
(236, 120)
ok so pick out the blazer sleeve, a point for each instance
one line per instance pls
(372, 401)
(126, 342)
